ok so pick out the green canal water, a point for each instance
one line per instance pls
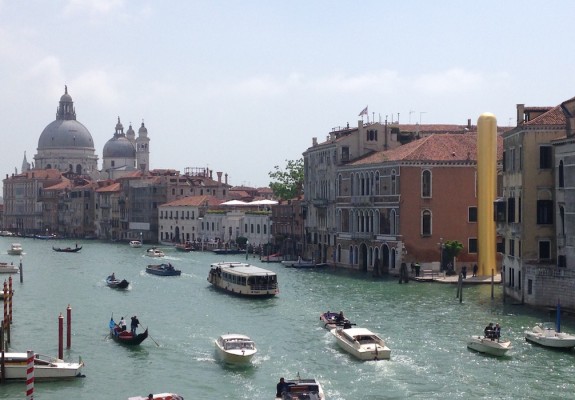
(424, 324)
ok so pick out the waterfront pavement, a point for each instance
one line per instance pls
(440, 277)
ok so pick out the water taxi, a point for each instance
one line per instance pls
(243, 279)
(362, 343)
(45, 367)
(486, 345)
(235, 348)
(15, 249)
(295, 389)
(136, 244)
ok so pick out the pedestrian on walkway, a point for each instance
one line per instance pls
(475, 270)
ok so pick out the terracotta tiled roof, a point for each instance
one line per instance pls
(114, 187)
(554, 116)
(64, 184)
(195, 201)
(438, 147)
(43, 174)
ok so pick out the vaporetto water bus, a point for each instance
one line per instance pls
(243, 279)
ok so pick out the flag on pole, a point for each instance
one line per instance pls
(363, 112)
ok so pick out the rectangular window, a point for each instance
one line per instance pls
(545, 157)
(529, 286)
(472, 245)
(544, 212)
(512, 247)
(562, 261)
(500, 210)
(544, 250)
(472, 214)
(511, 209)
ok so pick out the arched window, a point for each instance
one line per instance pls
(392, 222)
(426, 223)
(426, 183)
(376, 184)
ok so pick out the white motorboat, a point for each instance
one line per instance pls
(136, 244)
(235, 348)
(15, 249)
(153, 252)
(299, 389)
(362, 343)
(495, 347)
(299, 263)
(45, 367)
(6, 268)
(277, 257)
(546, 335)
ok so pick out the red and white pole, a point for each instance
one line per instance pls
(30, 376)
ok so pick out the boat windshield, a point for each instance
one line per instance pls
(238, 345)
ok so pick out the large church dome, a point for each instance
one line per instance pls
(119, 147)
(65, 132)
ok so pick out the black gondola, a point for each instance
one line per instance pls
(116, 283)
(67, 249)
(126, 337)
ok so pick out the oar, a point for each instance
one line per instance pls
(150, 336)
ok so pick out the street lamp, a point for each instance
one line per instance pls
(440, 254)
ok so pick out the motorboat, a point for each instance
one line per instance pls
(115, 283)
(545, 334)
(362, 343)
(330, 320)
(299, 263)
(6, 268)
(300, 389)
(45, 367)
(122, 336)
(153, 252)
(277, 257)
(159, 396)
(15, 249)
(163, 270)
(235, 348)
(243, 279)
(186, 246)
(493, 346)
(136, 244)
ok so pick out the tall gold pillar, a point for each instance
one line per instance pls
(486, 192)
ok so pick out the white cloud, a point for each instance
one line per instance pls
(93, 7)
(449, 81)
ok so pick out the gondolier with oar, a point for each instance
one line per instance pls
(134, 325)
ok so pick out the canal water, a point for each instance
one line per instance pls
(423, 323)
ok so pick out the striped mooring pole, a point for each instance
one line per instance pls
(30, 376)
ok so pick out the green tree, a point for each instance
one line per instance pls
(287, 183)
(452, 248)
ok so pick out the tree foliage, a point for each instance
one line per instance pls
(452, 249)
(287, 183)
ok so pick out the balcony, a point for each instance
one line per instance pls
(362, 235)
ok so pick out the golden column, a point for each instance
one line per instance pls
(486, 192)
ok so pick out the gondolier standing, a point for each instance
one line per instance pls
(134, 324)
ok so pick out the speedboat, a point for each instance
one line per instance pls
(163, 270)
(546, 335)
(159, 396)
(299, 389)
(277, 257)
(362, 343)
(45, 367)
(330, 321)
(186, 246)
(495, 347)
(235, 348)
(6, 268)
(15, 249)
(153, 252)
(135, 243)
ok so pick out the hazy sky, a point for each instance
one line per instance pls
(241, 86)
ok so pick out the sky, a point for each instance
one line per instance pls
(241, 86)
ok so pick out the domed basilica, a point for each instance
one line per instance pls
(67, 145)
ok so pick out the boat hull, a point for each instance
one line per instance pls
(364, 352)
(67, 249)
(556, 341)
(45, 368)
(163, 270)
(126, 338)
(489, 346)
(8, 269)
(117, 284)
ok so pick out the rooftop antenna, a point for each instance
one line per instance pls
(420, 114)
(410, 112)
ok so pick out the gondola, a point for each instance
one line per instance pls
(126, 337)
(67, 249)
(116, 283)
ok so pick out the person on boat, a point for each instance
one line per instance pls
(122, 324)
(112, 277)
(150, 396)
(134, 325)
(497, 331)
(488, 331)
(340, 319)
(281, 387)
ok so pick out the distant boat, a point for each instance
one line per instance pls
(67, 249)
(277, 257)
(114, 283)
(153, 252)
(135, 243)
(163, 270)
(243, 279)
(228, 251)
(159, 396)
(6, 268)
(187, 246)
(15, 249)
(44, 237)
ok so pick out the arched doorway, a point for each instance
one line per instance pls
(376, 262)
(385, 259)
(363, 257)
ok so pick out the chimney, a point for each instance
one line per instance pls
(469, 123)
(520, 114)
(211, 174)
(314, 141)
(226, 178)
(219, 177)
